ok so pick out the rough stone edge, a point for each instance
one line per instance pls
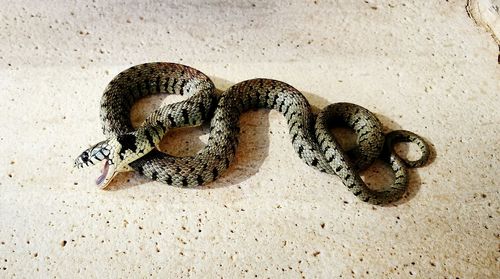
(486, 13)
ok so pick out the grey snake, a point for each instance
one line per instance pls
(129, 149)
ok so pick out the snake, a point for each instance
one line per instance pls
(137, 149)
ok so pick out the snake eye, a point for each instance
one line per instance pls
(85, 156)
(83, 159)
(92, 155)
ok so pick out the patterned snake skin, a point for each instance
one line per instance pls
(128, 149)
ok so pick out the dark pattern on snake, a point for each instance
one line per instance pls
(128, 149)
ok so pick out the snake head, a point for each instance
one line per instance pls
(107, 151)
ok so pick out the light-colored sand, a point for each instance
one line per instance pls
(422, 66)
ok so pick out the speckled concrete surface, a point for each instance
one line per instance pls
(420, 65)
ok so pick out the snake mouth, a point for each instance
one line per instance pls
(104, 173)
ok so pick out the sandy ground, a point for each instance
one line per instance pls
(423, 66)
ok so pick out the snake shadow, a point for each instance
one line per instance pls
(253, 147)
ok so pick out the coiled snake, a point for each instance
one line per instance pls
(128, 149)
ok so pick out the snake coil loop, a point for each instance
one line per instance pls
(128, 149)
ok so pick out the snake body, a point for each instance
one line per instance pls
(127, 149)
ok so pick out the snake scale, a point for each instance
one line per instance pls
(128, 149)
